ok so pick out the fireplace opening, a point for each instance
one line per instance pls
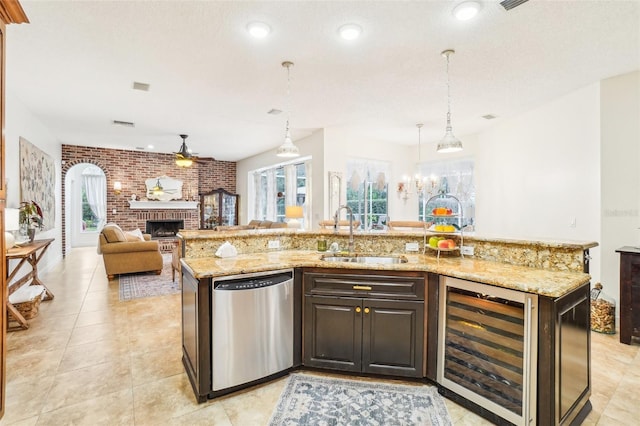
(164, 228)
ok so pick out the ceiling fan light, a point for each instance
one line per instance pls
(184, 162)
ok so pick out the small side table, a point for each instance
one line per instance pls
(629, 293)
(30, 253)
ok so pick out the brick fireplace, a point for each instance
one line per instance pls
(132, 173)
(163, 228)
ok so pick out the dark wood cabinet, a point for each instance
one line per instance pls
(629, 293)
(346, 328)
(218, 208)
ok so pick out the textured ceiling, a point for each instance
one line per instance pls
(74, 66)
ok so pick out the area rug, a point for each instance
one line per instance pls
(135, 286)
(313, 400)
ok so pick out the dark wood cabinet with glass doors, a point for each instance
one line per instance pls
(218, 208)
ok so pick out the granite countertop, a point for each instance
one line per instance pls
(521, 278)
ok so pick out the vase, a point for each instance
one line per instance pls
(31, 234)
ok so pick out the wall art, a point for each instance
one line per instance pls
(38, 180)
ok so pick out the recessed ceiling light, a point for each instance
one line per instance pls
(258, 29)
(150, 146)
(350, 31)
(466, 10)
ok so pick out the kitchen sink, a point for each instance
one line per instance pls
(361, 258)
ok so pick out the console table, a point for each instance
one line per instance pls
(629, 293)
(29, 253)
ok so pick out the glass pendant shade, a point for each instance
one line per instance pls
(449, 142)
(288, 149)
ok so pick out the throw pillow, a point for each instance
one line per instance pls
(135, 235)
(113, 233)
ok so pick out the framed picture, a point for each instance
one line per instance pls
(38, 181)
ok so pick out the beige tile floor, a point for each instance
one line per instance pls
(89, 359)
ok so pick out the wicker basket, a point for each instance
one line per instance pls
(29, 309)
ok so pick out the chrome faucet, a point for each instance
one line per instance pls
(335, 225)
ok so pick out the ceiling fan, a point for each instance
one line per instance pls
(184, 157)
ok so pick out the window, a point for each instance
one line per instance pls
(367, 192)
(93, 208)
(276, 187)
(453, 177)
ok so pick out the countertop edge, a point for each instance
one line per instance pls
(468, 269)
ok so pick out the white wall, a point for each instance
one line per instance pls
(22, 123)
(539, 171)
(620, 164)
(313, 146)
(341, 144)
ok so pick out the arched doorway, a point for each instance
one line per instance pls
(86, 201)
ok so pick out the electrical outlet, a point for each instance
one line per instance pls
(468, 250)
(412, 246)
(274, 244)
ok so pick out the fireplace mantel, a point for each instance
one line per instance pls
(162, 205)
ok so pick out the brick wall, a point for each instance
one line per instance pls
(132, 168)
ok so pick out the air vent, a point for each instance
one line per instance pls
(123, 123)
(274, 111)
(510, 4)
(141, 86)
(489, 117)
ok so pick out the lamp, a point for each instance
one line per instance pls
(158, 189)
(288, 149)
(11, 224)
(293, 213)
(117, 187)
(449, 142)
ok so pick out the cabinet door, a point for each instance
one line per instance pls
(392, 337)
(333, 333)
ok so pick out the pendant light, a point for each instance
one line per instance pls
(288, 149)
(449, 142)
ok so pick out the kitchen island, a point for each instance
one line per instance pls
(508, 341)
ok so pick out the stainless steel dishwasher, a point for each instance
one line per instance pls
(251, 327)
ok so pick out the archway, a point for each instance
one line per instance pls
(85, 206)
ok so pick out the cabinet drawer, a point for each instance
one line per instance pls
(365, 285)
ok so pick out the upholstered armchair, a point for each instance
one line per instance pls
(124, 253)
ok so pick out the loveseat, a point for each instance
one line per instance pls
(125, 253)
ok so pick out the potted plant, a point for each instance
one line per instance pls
(30, 218)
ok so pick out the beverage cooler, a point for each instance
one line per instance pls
(487, 346)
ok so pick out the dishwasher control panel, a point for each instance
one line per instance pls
(250, 283)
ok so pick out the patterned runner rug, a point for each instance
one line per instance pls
(313, 400)
(148, 284)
